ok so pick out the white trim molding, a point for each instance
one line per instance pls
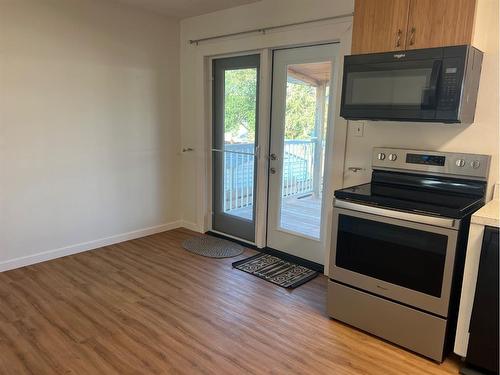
(86, 246)
(192, 226)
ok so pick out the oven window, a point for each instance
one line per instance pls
(403, 256)
(404, 87)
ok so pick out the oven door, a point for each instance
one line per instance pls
(394, 255)
(395, 90)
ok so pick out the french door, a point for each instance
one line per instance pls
(301, 97)
(235, 123)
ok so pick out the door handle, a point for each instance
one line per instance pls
(384, 214)
(356, 169)
(412, 36)
(430, 94)
(398, 39)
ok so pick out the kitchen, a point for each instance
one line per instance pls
(344, 152)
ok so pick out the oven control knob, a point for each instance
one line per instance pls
(460, 162)
(393, 157)
(475, 164)
(381, 156)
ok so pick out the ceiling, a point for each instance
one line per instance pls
(186, 8)
(314, 74)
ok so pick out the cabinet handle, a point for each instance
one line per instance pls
(412, 36)
(398, 39)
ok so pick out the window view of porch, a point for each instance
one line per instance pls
(303, 151)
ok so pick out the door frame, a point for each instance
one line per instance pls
(220, 218)
(333, 31)
(262, 145)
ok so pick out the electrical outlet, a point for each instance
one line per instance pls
(359, 128)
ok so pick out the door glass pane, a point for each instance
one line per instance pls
(307, 95)
(403, 256)
(235, 98)
(388, 87)
(240, 111)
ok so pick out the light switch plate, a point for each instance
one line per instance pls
(358, 128)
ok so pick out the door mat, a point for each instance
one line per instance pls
(212, 247)
(276, 270)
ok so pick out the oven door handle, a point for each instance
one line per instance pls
(422, 219)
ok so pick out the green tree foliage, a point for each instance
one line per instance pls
(240, 105)
(240, 101)
(300, 111)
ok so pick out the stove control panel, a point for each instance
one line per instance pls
(451, 163)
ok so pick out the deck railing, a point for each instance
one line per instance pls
(298, 173)
(238, 176)
(298, 167)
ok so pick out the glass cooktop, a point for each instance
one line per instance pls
(419, 194)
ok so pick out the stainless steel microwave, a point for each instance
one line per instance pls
(426, 85)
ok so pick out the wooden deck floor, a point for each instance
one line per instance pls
(301, 215)
(149, 307)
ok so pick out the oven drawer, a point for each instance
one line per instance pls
(415, 330)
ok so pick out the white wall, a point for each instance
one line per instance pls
(89, 126)
(481, 137)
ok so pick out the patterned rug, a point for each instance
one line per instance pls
(212, 247)
(276, 270)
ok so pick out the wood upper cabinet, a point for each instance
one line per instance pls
(392, 25)
(439, 23)
(379, 25)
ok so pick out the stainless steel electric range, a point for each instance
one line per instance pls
(398, 246)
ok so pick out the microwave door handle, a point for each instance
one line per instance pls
(436, 72)
(430, 94)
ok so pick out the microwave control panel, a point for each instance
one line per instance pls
(450, 83)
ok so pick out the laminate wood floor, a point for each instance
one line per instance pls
(149, 307)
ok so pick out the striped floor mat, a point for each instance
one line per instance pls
(276, 270)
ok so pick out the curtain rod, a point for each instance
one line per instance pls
(263, 30)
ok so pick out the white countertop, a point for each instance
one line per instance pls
(489, 214)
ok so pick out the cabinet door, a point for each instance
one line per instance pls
(439, 23)
(379, 25)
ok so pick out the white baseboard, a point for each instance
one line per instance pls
(192, 226)
(85, 246)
